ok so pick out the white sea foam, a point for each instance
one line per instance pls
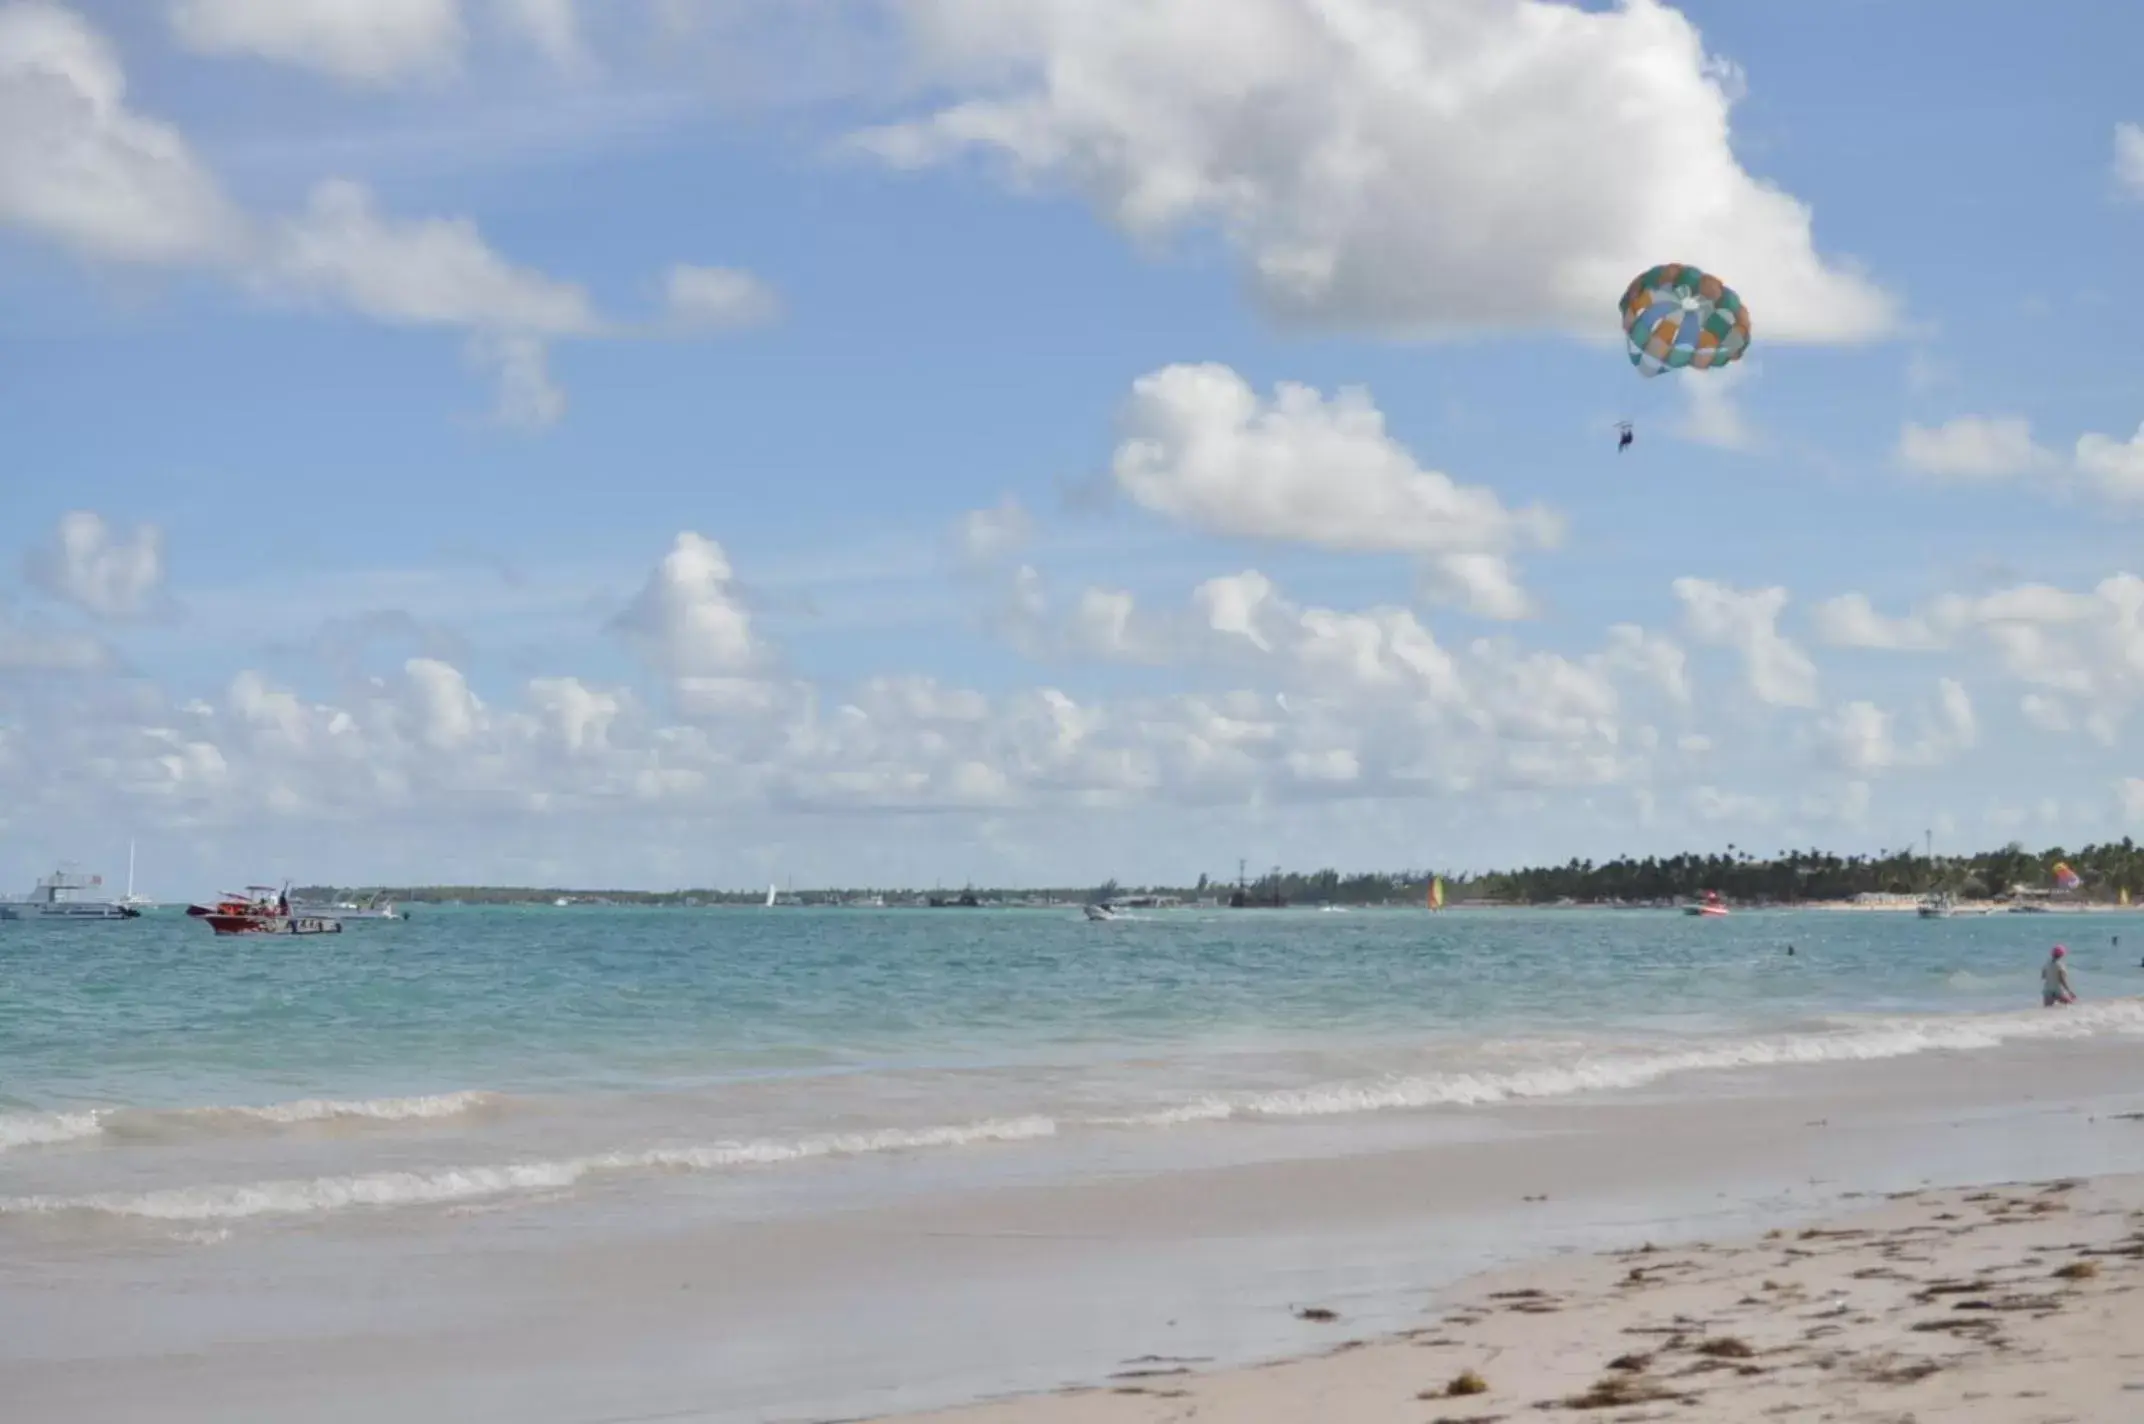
(1863, 1041)
(299, 1197)
(1560, 1068)
(304, 1110)
(48, 1129)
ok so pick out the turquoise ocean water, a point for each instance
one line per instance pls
(153, 1076)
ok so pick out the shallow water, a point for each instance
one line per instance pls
(159, 1075)
(559, 1166)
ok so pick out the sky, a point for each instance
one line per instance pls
(655, 443)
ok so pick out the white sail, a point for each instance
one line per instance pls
(770, 894)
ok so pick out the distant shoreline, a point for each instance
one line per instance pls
(2090, 877)
(479, 896)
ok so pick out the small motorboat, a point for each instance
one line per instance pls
(1100, 912)
(1711, 907)
(262, 910)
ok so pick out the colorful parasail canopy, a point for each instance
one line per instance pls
(1676, 316)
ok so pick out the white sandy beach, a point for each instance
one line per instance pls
(2017, 1305)
(591, 1310)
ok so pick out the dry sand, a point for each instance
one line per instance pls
(2007, 1306)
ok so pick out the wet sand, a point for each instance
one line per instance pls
(2016, 1305)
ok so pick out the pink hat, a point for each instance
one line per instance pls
(2060, 951)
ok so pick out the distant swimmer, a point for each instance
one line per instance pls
(1790, 951)
(2055, 980)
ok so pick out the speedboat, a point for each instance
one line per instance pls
(1100, 912)
(262, 910)
(1710, 907)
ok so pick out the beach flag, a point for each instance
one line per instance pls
(1436, 892)
(2065, 877)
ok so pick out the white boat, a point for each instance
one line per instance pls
(1711, 906)
(1100, 912)
(349, 910)
(59, 896)
(130, 899)
(1945, 906)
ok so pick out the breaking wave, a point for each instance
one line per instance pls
(299, 1196)
(54, 1128)
(1556, 1070)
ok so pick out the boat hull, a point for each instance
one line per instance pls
(69, 912)
(271, 924)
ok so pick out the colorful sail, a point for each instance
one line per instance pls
(1436, 892)
(2067, 878)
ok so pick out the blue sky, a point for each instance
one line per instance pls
(325, 507)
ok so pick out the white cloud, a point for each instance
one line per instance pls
(357, 41)
(1411, 714)
(1713, 415)
(988, 536)
(1280, 704)
(1850, 621)
(1863, 738)
(690, 619)
(2115, 467)
(2130, 792)
(2049, 714)
(1846, 806)
(1427, 169)
(97, 568)
(1859, 734)
(1956, 726)
(1710, 803)
(80, 168)
(1776, 670)
(26, 648)
(2129, 158)
(1636, 649)
(1199, 446)
(2080, 654)
(528, 399)
(1105, 623)
(421, 272)
(552, 26)
(718, 299)
(1974, 447)
(1480, 583)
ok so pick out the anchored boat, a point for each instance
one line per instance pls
(262, 910)
(59, 896)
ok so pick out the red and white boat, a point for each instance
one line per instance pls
(262, 910)
(1710, 906)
